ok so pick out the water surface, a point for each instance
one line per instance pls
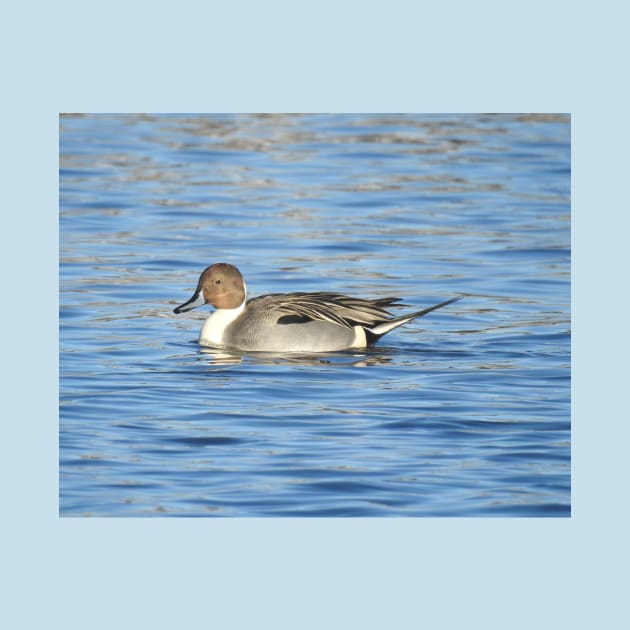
(465, 412)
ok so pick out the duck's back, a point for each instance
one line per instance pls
(284, 323)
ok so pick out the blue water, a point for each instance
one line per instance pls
(465, 412)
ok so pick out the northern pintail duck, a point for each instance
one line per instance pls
(289, 322)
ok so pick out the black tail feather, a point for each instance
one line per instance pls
(372, 336)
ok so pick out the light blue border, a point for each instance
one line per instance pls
(290, 573)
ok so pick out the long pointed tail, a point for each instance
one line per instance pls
(390, 324)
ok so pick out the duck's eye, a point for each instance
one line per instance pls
(217, 281)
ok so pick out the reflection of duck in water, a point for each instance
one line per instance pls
(339, 359)
(289, 322)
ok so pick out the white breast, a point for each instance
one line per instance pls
(215, 325)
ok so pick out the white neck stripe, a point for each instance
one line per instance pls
(214, 328)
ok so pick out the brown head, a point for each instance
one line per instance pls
(221, 285)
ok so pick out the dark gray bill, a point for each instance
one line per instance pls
(195, 301)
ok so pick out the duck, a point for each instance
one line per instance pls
(290, 322)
